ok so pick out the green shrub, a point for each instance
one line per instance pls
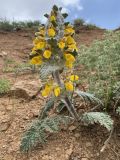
(6, 25)
(79, 22)
(91, 26)
(101, 63)
(4, 86)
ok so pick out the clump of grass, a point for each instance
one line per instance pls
(91, 26)
(9, 64)
(101, 62)
(4, 86)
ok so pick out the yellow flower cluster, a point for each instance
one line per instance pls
(68, 86)
(49, 88)
(48, 45)
(41, 46)
(68, 45)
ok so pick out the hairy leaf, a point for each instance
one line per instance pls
(64, 15)
(46, 15)
(47, 69)
(48, 106)
(88, 97)
(55, 8)
(60, 107)
(98, 117)
(37, 132)
(118, 110)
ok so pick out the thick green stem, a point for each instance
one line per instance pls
(66, 100)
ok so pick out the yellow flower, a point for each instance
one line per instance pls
(69, 30)
(61, 44)
(57, 91)
(47, 54)
(42, 32)
(51, 32)
(69, 86)
(35, 41)
(72, 47)
(46, 91)
(70, 40)
(36, 60)
(52, 18)
(34, 50)
(68, 64)
(40, 45)
(69, 57)
(74, 77)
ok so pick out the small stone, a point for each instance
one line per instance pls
(88, 144)
(77, 135)
(58, 149)
(26, 118)
(97, 154)
(84, 158)
(3, 54)
(68, 153)
(72, 128)
(45, 157)
(4, 146)
(9, 107)
(24, 89)
(4, 126)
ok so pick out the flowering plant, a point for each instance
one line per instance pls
(54, 46)
(55, 53)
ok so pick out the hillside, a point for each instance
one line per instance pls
(17, 109)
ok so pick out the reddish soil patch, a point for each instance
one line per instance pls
(88, 36)
(83, 143)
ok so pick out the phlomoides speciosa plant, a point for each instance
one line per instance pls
(55, 52)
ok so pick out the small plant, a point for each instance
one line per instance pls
(55, 52)
(4, 86)
(79, 22)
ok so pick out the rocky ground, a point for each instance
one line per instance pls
(17, 111)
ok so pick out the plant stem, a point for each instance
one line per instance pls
(70, 108)
(66, 100)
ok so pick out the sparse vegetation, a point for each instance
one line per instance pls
(101, 62)
(4, 86)
(91, 26)
(6, 25)
(80, 24)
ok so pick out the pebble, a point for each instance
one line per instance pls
(77, 135)
(88, 144)
(58, 149)
(72, 128)
(84, 158)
